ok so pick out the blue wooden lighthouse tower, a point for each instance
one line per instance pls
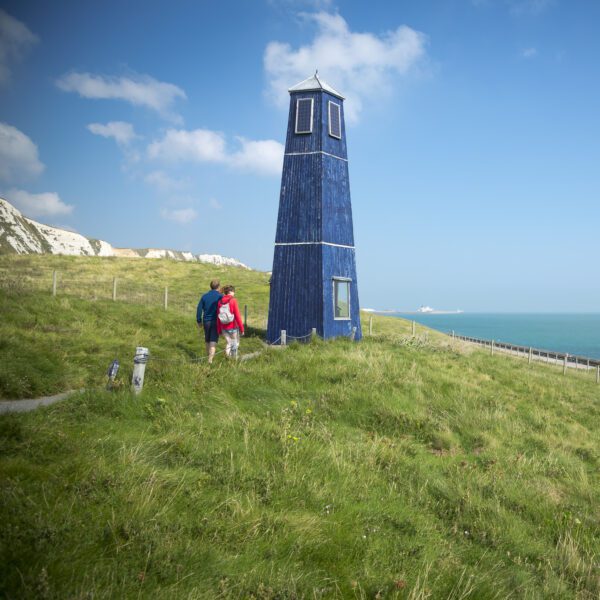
(314, 269)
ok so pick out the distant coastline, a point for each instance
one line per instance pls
(575, 334)
(414, 312)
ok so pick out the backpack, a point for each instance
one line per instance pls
(225, 315)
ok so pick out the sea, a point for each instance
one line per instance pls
(577, 334)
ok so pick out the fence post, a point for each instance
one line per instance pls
(283, 337)
(166, 297)
(453, 336)
(492, 348)
(245, 316)
(598, 374)
(313, 333)
(565, 364)
(530, 354)
(353, 334)
(114, 289)
(413, 328)
(54, 283)
(139, 367)
(371, 325)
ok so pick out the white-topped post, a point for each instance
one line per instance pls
(139, 368)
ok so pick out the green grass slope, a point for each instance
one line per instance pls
(398, 467)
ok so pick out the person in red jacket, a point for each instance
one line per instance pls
(229, 321)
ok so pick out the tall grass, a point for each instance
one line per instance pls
(397, 467)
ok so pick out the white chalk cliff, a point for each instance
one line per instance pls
(21, 235)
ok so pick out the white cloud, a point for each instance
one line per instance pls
(199, 145)
(529, 52)
(360, 65)
(15, 42)
(18, 155)
(179, 215)
(202, 145)
(529, 7)
(139, 90)
(519, 7)
(120, 131)
(261, 156)
(47, 204)
(164, 182)
(314, 4)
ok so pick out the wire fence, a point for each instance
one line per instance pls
(566, 360)
(117, 289)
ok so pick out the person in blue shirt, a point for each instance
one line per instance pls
(206, 317)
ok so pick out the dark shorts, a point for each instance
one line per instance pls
(210, 331)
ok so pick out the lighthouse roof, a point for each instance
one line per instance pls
(315, 83)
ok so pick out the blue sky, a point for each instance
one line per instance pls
(473, 134)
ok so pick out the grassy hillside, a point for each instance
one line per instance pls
(399, 467)
(139, 281)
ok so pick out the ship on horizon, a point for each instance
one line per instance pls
(427, 310)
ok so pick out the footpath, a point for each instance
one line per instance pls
(8, 406)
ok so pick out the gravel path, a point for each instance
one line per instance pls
(8, 406)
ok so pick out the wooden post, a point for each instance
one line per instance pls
(413, 328)
(565, 364)
(453, 336)
(371, 325)
(353, 334)
(166, 297)
(492, 348)
(530, 354)
(598, 374)
(245, 316)
(313, 333)
(114, 289)
(576, 363)
(54, 283)
(283, 337)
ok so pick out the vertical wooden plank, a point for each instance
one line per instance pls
(114, 290)
(371, 325)
(245, 316)
(166, 297)
(54, 279)
(283, 337)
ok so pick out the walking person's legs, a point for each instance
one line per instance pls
(232, 343)
(211, 337)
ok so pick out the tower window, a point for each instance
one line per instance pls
(335, 122)
(341, 298)
(304, 115)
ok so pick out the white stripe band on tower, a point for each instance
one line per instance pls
(313, 244)
(315, 152)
